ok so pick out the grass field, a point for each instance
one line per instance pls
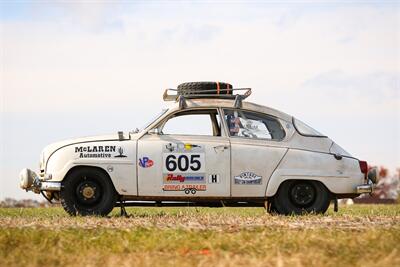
(359, 235)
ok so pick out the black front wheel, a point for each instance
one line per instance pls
(300, 197)
(88, 191)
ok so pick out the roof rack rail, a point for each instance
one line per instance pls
(223, 94)
(210, 94)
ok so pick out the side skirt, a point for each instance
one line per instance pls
(190, 203)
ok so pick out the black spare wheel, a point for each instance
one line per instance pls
(301, 196)
(88, 191)
(205, 88)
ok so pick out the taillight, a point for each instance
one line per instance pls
(364, 167)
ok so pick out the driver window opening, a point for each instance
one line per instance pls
(194, 122)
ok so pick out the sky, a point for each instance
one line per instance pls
(71, 69)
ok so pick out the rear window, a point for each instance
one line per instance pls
(306, 130)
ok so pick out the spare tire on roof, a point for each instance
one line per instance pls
(204, 88)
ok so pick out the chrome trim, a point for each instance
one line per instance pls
(50, 186)
(365, 188)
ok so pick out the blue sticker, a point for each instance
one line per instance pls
(145, 162)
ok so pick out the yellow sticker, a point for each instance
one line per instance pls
(188, 146)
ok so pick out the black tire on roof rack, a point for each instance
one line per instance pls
(205, 88)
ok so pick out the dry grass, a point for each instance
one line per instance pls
(360, 235)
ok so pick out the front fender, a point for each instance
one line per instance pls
(121, 167)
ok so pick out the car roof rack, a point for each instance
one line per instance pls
(175, 95)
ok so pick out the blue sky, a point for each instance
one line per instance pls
(70, 70)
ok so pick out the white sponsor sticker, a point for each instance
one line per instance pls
(214, 179)
(248, 178)
(183, 163)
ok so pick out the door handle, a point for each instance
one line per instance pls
(221, 148)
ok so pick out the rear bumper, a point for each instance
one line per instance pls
(372, 179)
(364, 188)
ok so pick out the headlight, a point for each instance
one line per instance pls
(26, 177)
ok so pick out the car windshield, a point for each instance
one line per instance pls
(162, 112)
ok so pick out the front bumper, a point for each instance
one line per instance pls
(30, 181)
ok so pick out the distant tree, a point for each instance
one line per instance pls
(388, 185)
(23, 203)
(383, 172)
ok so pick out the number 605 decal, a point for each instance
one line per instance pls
(183, 163)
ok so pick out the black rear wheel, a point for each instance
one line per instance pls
(300, 197)
(88, 191)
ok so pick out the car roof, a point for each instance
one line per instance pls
(227, 103)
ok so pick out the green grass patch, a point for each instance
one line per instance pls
(359, 235)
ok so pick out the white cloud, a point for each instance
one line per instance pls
(50, 61)
(378, 87)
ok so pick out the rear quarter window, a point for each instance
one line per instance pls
(306, 130)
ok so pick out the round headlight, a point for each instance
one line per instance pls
(26, 179)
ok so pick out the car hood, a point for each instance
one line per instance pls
(50, 149)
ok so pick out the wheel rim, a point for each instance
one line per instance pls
(302, 194)
(88, 192)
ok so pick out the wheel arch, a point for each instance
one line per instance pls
(301, 179)
(275, 184)
(80, 167)
(76, 202)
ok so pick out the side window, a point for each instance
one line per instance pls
(253, 125)
(306, 130)
(200, 122)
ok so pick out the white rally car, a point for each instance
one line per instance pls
(208, 148)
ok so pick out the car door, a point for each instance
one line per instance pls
(188, 155)
(256, 150)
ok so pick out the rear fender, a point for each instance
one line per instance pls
(339, 176)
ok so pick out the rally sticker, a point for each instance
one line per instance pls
(183, 148)
(186, 188)
(183, 167)
(248, 178)
(100, 152)
(181, 178)
(214, 179)
(183, 158)
(146, 162)
(183, 163)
